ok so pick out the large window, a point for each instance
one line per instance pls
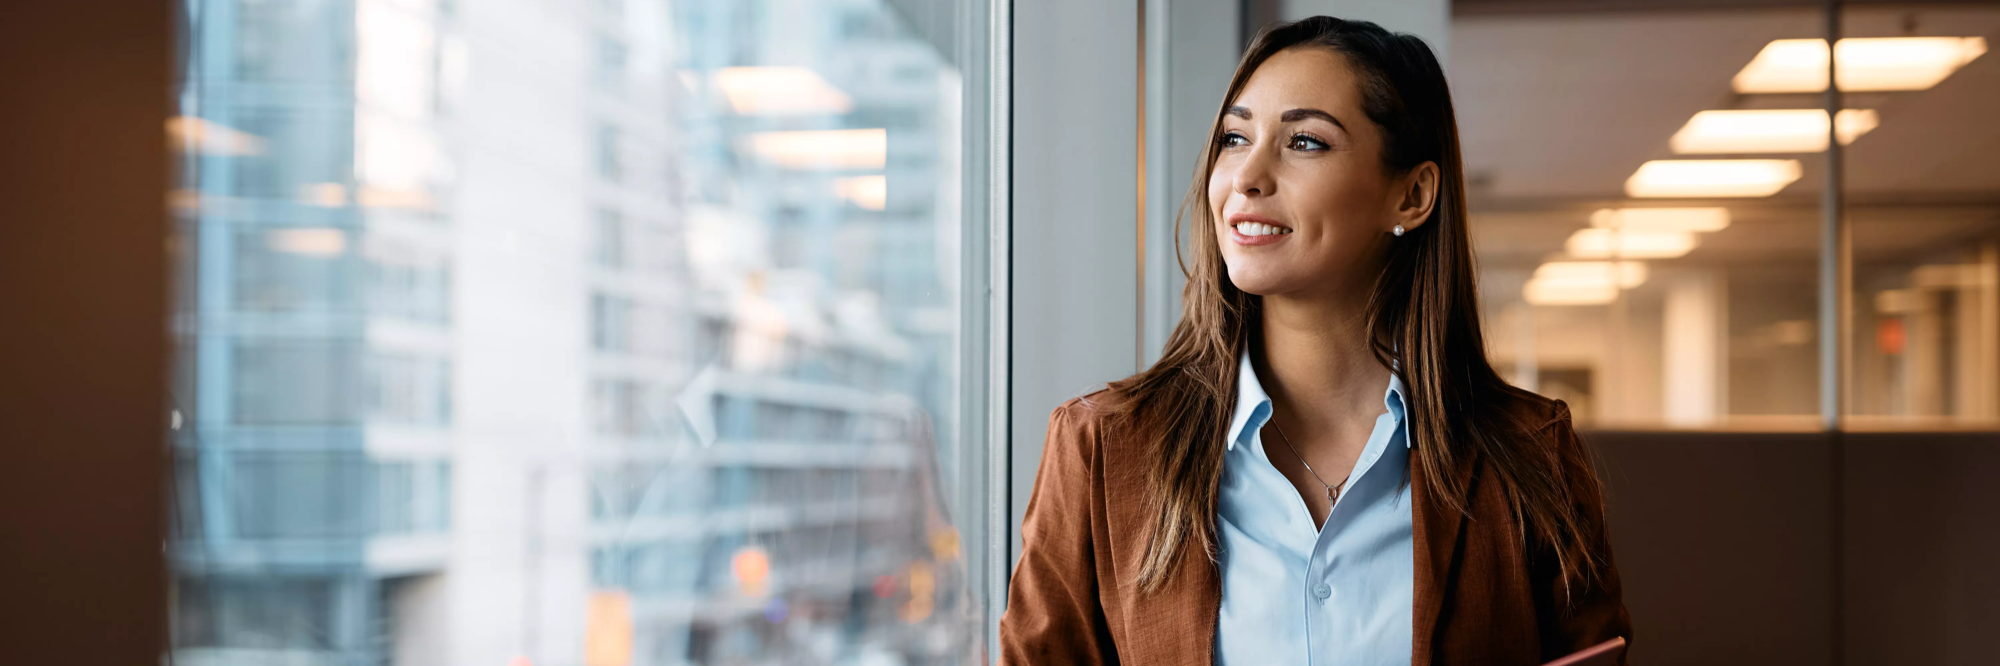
(599, 333)
(1648, 193)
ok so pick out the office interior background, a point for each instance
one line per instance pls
(661, 332)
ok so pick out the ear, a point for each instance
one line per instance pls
(1416, 195)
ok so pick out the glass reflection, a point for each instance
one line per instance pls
(610, 333)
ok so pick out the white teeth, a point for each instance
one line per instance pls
(1260, 229)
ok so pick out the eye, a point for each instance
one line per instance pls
(1307, 143)
(1233, 140)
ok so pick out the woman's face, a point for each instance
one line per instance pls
(1301, 200)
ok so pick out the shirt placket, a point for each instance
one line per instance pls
(1320, 591)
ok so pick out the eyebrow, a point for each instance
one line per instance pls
(1291, 116)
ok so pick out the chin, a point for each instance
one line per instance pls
(1254, 282)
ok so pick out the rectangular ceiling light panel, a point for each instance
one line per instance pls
(775, 91)
(1537, 292)
(1621, 244)
(1582, 282)
(1661, 219)
(1624, 274)
(1712, 178)
(824, 149)
(1866, 64)
(1768, 130)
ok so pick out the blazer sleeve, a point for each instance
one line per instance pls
(1573, 620)
(1053, 613)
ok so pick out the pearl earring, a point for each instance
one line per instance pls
(1399, 230)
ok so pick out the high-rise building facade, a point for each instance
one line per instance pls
(619, 332)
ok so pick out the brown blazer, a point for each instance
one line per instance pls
(1481, 597)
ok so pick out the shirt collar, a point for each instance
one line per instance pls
(1253, 405)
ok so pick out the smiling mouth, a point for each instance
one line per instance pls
(1260, 229)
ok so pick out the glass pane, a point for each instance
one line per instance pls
(601, 333)
(1923, 193)
(1634, 262)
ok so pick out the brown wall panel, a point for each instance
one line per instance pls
(1723, 544)
(83, 171)
(1923, 548)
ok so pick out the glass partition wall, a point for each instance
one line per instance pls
(1649, 189)
(603, 333)
(1923, 196)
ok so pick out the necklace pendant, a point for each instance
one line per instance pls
(1332, 496)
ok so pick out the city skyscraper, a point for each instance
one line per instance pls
(620, 332)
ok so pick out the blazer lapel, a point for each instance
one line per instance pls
(1437, 532)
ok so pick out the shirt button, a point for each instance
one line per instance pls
(1323, 591)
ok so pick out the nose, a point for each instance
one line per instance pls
(1253, 174)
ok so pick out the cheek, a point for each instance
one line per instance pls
(1218, 191)
(1354, 193)
(1338, 205)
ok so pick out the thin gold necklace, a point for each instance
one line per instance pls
(1332, 491)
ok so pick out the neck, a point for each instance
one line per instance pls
(1316, 361)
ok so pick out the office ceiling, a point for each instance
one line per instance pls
(1557, 109)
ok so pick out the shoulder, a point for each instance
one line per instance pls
(1082, 420)
(1089, 427)
(1552, 414)
(1547, 434)
(1070, 477)
(1532, 414)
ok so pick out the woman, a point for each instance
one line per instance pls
(1322, 467)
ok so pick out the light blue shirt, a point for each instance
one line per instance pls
(1293, 594)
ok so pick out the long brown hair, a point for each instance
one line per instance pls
(1424, 304)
